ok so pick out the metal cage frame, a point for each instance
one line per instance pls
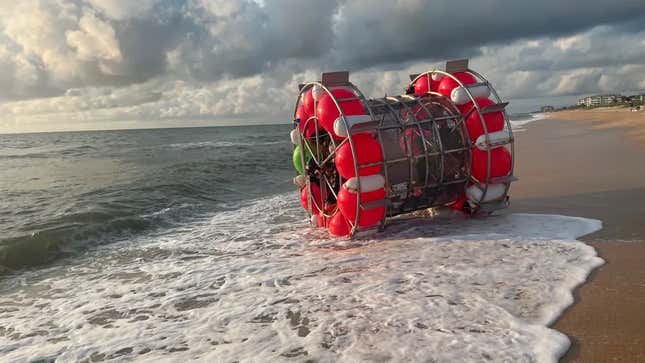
(500, 106)
(334, 80)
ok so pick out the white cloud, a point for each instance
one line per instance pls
(576, 42)
(95, 40)
(89, 61)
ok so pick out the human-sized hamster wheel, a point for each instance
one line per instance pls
(360, 161)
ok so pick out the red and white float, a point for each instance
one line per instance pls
(367, 153)
(332, 104)
(447, 141)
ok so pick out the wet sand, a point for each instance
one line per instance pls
(582, 169)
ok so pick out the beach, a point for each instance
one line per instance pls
(160, 256)
(590, 164)
(603, 118)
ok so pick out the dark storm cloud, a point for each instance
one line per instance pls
(374, 32)
(47, 47)
(249, 38)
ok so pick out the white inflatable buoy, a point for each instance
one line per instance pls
(295, 136)
(494, 191)
(459, 95)
(496, 139)
(368, 183)
(317, 92)
(339, 125)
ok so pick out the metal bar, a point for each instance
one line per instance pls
(452, 117)
(504, 179)
(456, 181)
(408, 147)
(374, 204)
(358, 197)
(508, 126)
(302, 153)
(331, 79)
(421, 133)
(457, 65)
(499, 143)
(477, 84)
(332, 154)
(364, 126)
(385, 171)
(494, 108)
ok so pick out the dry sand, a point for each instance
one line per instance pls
(592, 168)
(633, 123)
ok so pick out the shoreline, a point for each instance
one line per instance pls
(603, 323)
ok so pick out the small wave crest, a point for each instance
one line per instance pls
(71, 151)
(520, 121)
(220, 144)
(72, 234)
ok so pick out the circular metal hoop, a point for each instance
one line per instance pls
(483, 185)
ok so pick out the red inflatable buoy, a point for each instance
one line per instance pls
(368, 151)
(494, 120)
(459, 204)
(308, 102)
(421, 85)
(304, 196)
(327, 111)
(367, 217)
(338, 225)
(330, 209)
(303, 116)
(500, 163)
(447, 84)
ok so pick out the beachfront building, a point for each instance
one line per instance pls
(600, 100)
(637, 98)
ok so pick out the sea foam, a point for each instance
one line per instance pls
(519, 123)
(254, 284)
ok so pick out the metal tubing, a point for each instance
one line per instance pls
(445, 147)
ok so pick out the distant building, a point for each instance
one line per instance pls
(600, 100)
(637, 98)
(547, 109)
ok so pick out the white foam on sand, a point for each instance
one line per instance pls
(254, 285)
(520, 125)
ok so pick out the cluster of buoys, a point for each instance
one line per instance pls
(319, 112)
(340, 162)
(485, 130)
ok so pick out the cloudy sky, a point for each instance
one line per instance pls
(95, 64)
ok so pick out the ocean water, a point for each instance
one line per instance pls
(63, 193)
(520, 120)
(190, 244)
